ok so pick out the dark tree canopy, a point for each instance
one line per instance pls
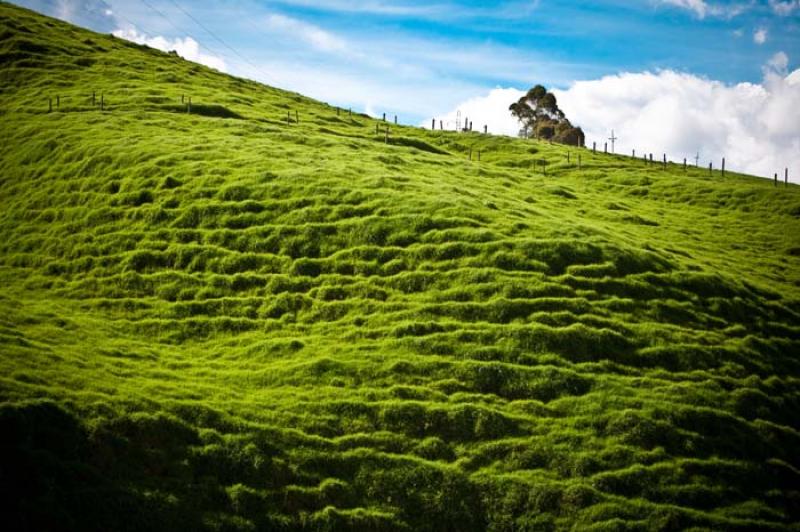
(540, 116)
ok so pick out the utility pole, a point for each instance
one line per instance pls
(613, 139)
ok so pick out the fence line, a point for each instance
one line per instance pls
(467, 128)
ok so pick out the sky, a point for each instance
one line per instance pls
(690, 78)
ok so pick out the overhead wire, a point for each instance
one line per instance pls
(222, 42)
(181, 31)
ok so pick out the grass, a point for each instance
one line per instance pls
(215, 320)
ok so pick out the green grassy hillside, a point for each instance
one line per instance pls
(217, 320)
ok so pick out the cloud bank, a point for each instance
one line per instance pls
(754, 126)
(187, 47)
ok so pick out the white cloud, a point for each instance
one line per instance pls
(702, 9)
(760, 36)
(699, 7)
(778, 65)
(313, 35)
(490, 110)
(754, 126)
(187, 47)
(784, 8)
(95, 14)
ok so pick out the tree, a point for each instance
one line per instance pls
(538, 112)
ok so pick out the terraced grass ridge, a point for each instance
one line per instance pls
(212, 319)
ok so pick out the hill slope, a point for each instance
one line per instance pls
(217, 320)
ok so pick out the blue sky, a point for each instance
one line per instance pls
(425, 59)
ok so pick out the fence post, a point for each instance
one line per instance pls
(710, 168)
(58, 102)
(567, 157)
(651, 158)
(775, 183)
(94, 101)
(485, 129)
(376, 128)
(594, 146)
(723, 167)
(350, 112)
(684, 164)
(387, 135)
(441, 125)
(50, 106)
(433, 124)
(183, 96)
(395, 119)
(479, 155)
(665, 161)
(579, 161)
(786, 177)
(605, 147)
(103, 101)
(384, 117)
(633, 153)
(288, 117)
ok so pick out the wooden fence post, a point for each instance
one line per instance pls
(350, 112)
(567, 157)
(376, 128)
(594, 147)
(605, 147)
(633, 153)
(58, 102)
(651, 158)
(775, 183)
(786, 177)
(183, 96)
(479, 155)
(433, 124)
(485, 129)
(441, 125)
(723, 167)
(384, 117)
(710, 168)
(684, 164)
(395, 119)
(665, 161)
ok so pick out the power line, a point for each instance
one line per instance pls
(181, 31)
(225, 44)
